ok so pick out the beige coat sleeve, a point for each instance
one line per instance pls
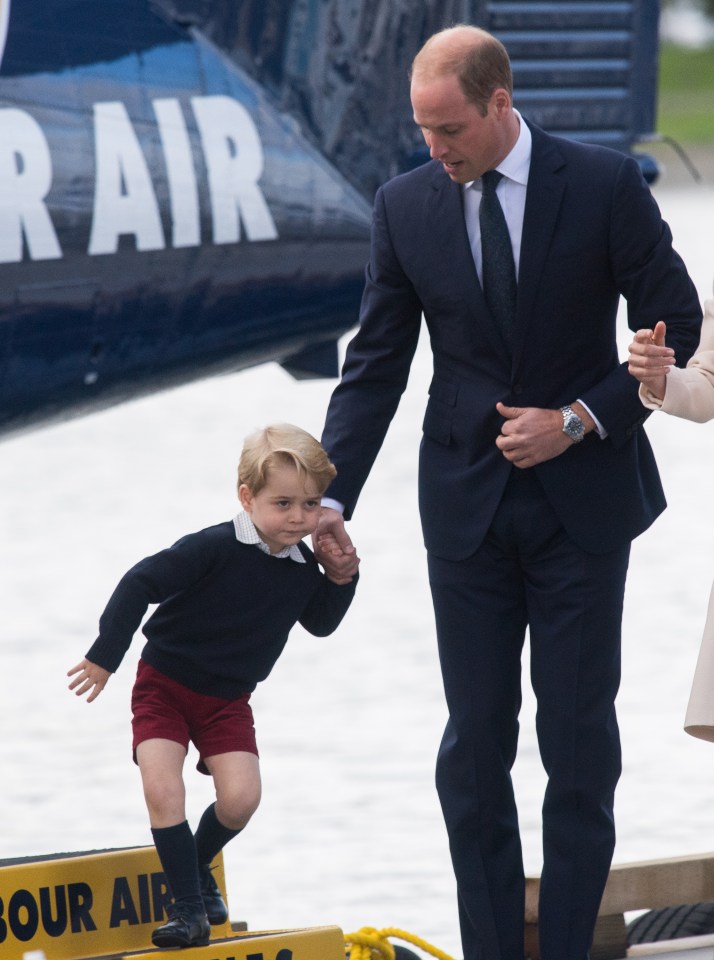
(690, 395)
(690, 392)
(699, 719)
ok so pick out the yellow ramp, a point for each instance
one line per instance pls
(315, 943)
(106, 903)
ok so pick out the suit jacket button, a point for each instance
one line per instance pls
(517, 389)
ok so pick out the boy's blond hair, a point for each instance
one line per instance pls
(280, 444)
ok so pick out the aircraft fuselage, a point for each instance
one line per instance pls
(160, 219)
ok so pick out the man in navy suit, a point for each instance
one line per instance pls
(534, 475)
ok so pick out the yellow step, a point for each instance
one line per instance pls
(106, 904)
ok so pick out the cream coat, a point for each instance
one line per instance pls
(690, 394)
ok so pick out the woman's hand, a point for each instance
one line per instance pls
(651, 360)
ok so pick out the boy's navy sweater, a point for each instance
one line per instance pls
(225, 611)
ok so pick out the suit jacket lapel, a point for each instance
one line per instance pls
(544, 195)
(453, 249)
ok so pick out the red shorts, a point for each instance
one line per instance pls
(165, 709)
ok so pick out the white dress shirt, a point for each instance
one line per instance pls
(511, 192)
(247, 533)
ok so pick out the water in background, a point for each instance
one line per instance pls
(349, 831)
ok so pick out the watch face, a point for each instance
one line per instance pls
(572, 424)
(574, 427)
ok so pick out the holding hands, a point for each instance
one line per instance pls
(333, 547)
(651, 360)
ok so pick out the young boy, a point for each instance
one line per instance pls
(227, 598)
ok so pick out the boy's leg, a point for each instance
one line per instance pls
(161, 765)
(236, 776)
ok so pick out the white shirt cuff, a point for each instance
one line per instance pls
(601, 431)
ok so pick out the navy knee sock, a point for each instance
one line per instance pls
(211, 836)
(176, 848)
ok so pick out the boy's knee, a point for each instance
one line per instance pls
(235, 809)
(164, 800)
(164, 806)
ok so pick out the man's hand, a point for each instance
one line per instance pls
(333, 547)
(651, 360)
(531, 435)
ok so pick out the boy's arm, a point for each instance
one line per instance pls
(328, 606)
(123, 614)
(148, 582)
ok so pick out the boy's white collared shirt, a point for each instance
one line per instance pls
(246, 533)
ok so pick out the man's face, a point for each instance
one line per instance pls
(457, 134)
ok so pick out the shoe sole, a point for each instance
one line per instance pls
(217, 921)
(171, 940)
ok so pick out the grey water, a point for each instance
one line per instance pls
(349, 831)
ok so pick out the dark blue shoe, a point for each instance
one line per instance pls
(216, 909)
(187, 926)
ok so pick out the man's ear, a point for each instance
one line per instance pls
(245, 495)
(500, 100)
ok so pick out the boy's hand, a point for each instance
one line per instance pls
(333, 547)
(90, 678)
(329, 548)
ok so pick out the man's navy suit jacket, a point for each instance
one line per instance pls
(592, 232)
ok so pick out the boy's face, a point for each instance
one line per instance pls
(286, 510)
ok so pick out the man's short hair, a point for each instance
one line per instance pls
(477, 58)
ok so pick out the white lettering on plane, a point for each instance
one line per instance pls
(183, 189)
(25, 181)
(124, 198)
(125, 201)
(234, 157)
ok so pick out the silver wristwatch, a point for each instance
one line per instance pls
(572, 424)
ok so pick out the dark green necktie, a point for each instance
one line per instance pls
(499, 271)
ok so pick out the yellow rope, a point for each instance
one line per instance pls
(371, 944)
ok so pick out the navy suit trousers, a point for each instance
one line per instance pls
(528, 574)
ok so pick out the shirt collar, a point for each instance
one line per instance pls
(246, 533)
(516, 165)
